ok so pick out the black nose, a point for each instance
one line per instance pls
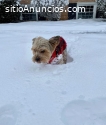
(37, 59)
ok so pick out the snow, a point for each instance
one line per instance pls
(71, 94)
(85, 112)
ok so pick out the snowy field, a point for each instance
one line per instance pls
(37, 94)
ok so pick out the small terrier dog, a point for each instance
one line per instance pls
(52, 51)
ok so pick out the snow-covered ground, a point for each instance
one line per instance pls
(37, 94)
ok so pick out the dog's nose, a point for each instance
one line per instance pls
(37, 59)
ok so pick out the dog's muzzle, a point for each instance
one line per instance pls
(37, 59)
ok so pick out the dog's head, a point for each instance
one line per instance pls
(42, 48)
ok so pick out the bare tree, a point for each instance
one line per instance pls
(101, 5)
(50, 13)
(101, 8)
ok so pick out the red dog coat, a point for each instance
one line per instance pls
(59, 49)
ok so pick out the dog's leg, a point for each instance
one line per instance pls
(65, 56)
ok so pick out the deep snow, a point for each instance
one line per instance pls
(71, 94)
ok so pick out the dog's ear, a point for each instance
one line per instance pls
(54, 41)
(33, 40)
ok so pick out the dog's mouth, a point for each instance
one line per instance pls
(38, 61)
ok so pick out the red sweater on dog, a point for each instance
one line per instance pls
(59, 49)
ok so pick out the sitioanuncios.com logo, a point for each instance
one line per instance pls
(43, 9)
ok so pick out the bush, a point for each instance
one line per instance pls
(8, 17)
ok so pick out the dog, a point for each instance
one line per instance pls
(49, 51)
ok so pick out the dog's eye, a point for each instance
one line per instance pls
(43, 51)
